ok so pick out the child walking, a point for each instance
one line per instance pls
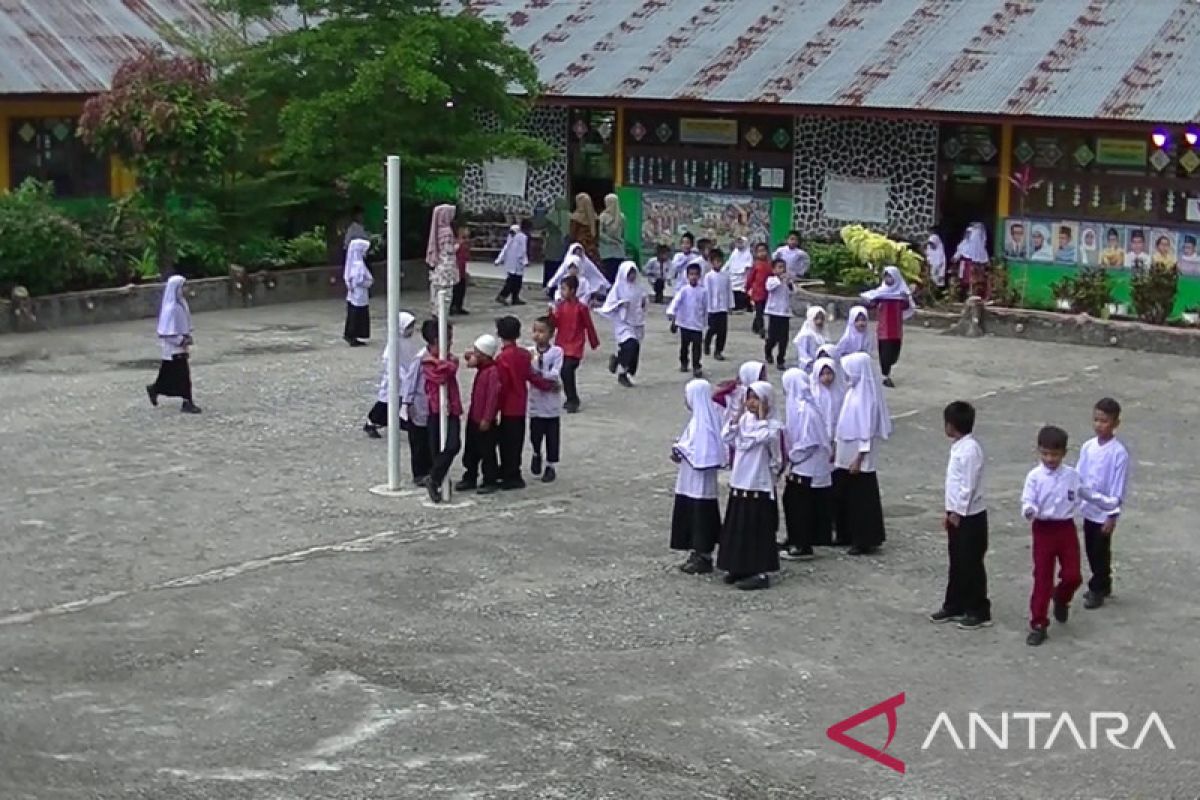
(656, 270)
(1049, 500)
(174, 340)
(863, 423)
(688, 312)
(756, 287)
(795, 258)
(779, 314)
(686, 255)
(514, 257)
(748, 548)
(462, 256)
(1104, 466)
(441, 370)
(626, 307)
(810, 338)
(516, 373)
(719, 291)
(700, 454)
(808, 441)
(966, 524)
(573, 326)
(894, 301)
(377, 417)
(358, 282)
(479, 445)
(545, 405)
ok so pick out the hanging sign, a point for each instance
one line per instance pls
(1121, 153)
(708, 131)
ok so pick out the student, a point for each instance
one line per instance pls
(810, 338)
(966, 524)
(516, 373)
(935, 256)
(719, 290)
(700, 454)
(415, 405)
(438, 371)
(358, 282)
(748, 548)
(514, 257)
(1103, 466)
(808, 450)
(831, 397)
(894, 302)
(731, 395)
(778, 310)
(573, 326)
(626, 307)
(174, 340)
(863, 423)
(739, 264)
(705, 246)
(688, 311)
(656, 270)
(795, 258)
(545, 405)
(462, 256)
(687, 254)
(756, 287)
(377, 417)
(972, 258)
(855, 339)
(1050, 499)
(479, 443)
(586, 269)
(584, 291)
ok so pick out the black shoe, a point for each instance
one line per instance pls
(697, 373)
(509, 486)
(794, 553)
(753, 582)
(781, 365)
(519, 303)
(719, 357)
(684, 368)
(372, 431)
(153, 396)
(549, 475)
(1036, 637)
(612, 364)
(488, 488)
(1092, 599)
(942, 616)
(189, 407)
(730, 578)
(973, 623)
(696, 564)
(463, 312)
(889, 383)
(435, 491)
(571, 407)
(1061, 611)
(535, 464)
(855, 550)
(357, 343)
(623, 379)
(420, 481)
(466, 485)
(500, 301)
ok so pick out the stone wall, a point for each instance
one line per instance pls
(903, 152)
(544, 185)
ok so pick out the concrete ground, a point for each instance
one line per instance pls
(216, 607)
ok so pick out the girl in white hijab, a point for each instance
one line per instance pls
(407, 347)
(174, 340)
(894, 302)
(863, 423)
(808, 449)
(700, 454)
(587, 270)
(358, 282)
(738, 265)
(856, 338)
(748, 547)
(626, 307)
(731, 394)
(935, 256)
(971, 257)
(810, 338)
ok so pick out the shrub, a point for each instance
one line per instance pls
(878, 251)
(1153, 290)
(1089, 291)
(309, 249)
(40, 246)
(261, 252)
(827, 262)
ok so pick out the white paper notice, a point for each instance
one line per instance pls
(856, 199)
(505, 176)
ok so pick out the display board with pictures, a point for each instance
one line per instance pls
(1104, 244)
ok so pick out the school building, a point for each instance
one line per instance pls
(756, 116)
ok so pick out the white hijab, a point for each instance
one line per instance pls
(865, 413)
(407, 343)
(827, 400)
(624, 291)
(898, 290)
(740, 259)
(935, 254)
(174, 316)
(356, 263)
(974, 244)
(700, 443)
(809, 328)
(803, 424)
(852, 340)
(587, 269)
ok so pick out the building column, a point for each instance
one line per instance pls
(1003, 190)
(619, 149)
(5, 176)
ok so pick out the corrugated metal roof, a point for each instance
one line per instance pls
(1093, 59)
(75, 46)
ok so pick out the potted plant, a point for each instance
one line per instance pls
(1191, 316)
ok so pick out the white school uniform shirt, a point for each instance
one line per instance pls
(655, 269)
(795, 258)
(738, 265)
(679, 264)
(1057, 494)
(514, 257)
(1105, 468)
(964, 477)
(779, 298)
(698, 484)
(689, 307)
(412, 391)
(546, 403)
(754, 442)
(719, 290)
(629, 321)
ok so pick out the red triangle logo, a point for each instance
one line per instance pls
(837, 732)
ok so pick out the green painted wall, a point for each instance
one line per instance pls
(1037, 278)
(781, 220)
(630, 198)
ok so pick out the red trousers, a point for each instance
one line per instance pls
(1053, 540)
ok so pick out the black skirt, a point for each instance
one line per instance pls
(862, 509)
(378, 415)
(748, 544)
(358, 322)
(841, 524)
(808, 513)
(695, 524)
(174, 378)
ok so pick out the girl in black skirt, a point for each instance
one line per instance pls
(808, 439)
(830, 396)
(700, 453)
(358, 281)
(174, 338)
(748, 548)
(863, 424)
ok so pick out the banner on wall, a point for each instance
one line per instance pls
(721, 217)
(1101, 244)
(505, 176)
(856, 199)
(708, 131)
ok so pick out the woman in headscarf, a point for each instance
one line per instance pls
(700, 454)
(864, 422)
(738, 265)
(810, 338)
(972, 257)
(407, 348)
(808, 449)
(174, 340)
(612, 237)
(439, 254)
(583, 226)
(894, 302)
(358, 280)
(935, 256)
(626, 307)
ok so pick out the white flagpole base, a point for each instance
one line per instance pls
(383, 490)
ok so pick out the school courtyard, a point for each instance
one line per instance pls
(217, 607)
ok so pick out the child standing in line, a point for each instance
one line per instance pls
(1049, 500)
(626, 307)
(830, 397)
(700, 454)
(415, 404)
(174, 340)
(779, 313)
(756, 287)
(739, 264)
(462, 255)
(439, 371)
(688, 311)
(795, 258)
(687, 254)
(573, 326)
(377, 417)
(1104, 466)
(863, 423)
(479, 445)
(514, 257)
(545, 406)
(810, 338)
(516, 373)
(656, 270)
(966, 525)
(719, 290)
(894, 301)
(855, 339)
(809, 451)
(358, 282)
(748, 548)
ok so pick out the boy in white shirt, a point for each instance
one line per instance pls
(719, 289)
(966, 525)
(779, 313)
(514, 257)
(1050, 499)
(657, 269)
(1104, 466)
(545, 406)
(795, 258)
(687, 253)
(688, 312)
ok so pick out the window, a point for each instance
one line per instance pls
(46, 148)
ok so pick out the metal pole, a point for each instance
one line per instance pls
(393, 322)
(443, 302)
